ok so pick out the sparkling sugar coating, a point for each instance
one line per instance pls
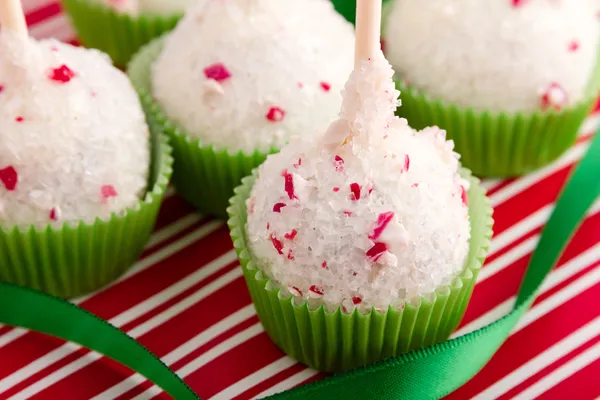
(495, 55)
(151, 7)
(249, 74)
(81, 149)
(371, 214)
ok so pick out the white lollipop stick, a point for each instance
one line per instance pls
(368, 29)
(12, 17)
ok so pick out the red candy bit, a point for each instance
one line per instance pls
(19, 119)
(289, 184)
(277, 207)
(376, 251)
(382, 222)
(355, 189)
(298, 164)
(291, 235)
(406, 165)
(9, 178)
(294, 290)
(108, 191)
(336, 189)
(324, 265)
(518, 3)
(1, 88)
(290, 255)
(348, 213)
(573, 46)
(316, 290)
(354, 273)
(53, 215)
(277, 244)
(356, 300)
(382, 43)
(463, 196)
(338, 163)
(325, 86)
(554, 96)
(217, 71)
(268, 226)
(62, 74)
(275, 114)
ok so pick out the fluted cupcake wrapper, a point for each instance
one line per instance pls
(340, 341)
(203, 175)
(118, 34)
(77, 259)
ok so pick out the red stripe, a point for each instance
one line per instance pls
(533, 340)
(43, 13)
(270, 382)
(581, 386)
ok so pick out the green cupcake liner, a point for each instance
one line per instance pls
(339, 341)
(117, 34)
(77, 259)
(500, 145)
(203, 175)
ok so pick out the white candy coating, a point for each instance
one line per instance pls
(493, 55)
(74, 147)
(405, 235)
(248, 74)
(151, 7)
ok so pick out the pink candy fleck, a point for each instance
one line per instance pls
(289, 184)
(9, 178)
(325, 86)
(108, 191)
(1, 88)
(324, 265)
(275, 114)
(290, 255)
(554, 96)
(376, 251)
(336, 189)
(406, 163)
(355, 189)
(291, 235)
(277, 244)
(277, 207)
(62, 74)
(573, 46)
(53, 215)
(348, 213)
(463, 196)
(19, 119)
(217, 71)
(316, 290)
(382, 222)
(338, 163)
(298, 164)
(295, 289)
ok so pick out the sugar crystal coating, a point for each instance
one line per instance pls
(249, 74)
(74, 144)
(496, 55)
(379, 231)
(151, 7)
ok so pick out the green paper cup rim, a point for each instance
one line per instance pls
(158, 182)
(139, 71)
(473, 262)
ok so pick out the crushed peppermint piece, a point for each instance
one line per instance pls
(277, 244)
(336, 189)
(300, 85)
(554, 97)
(1, 88)
(9, 178)
(53, 215)
(278, 206)
(325, 86)
(356, 300)
(289, 185)
(108, 191)
(382, 222)
(375, 252)
(294, 290)
(318, 290)
(573, 46)
(463, 195)
(217, 71)
(62, 74)
(338, 163)
(324, 264)
(290, 255)
(291, 235)
(268, 226)
(298, 164)
(355, 189)
(348, 213)
(19, 119)
(275, 114)
(406, 165)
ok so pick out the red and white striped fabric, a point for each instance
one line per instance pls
(187, 302)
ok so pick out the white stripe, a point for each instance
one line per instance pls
(57, 26)
(556, 277)
(590, 124)
(253, 379)
(288, 383)
(207, 357)
(177, 354)
(146, 327)
(561, 373)
(542, 360)
(11, 335)
(489, 184)
(128, 316)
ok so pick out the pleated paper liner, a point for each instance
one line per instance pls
(339, 341)
(77, 259)
(500, 145)
(203, 175)
(118, 34)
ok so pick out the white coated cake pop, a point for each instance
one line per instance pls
(248, 74)
(151, 7)
(74, 144)
(373, 214)
(501, 55)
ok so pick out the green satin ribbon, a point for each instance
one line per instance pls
(422, 374)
